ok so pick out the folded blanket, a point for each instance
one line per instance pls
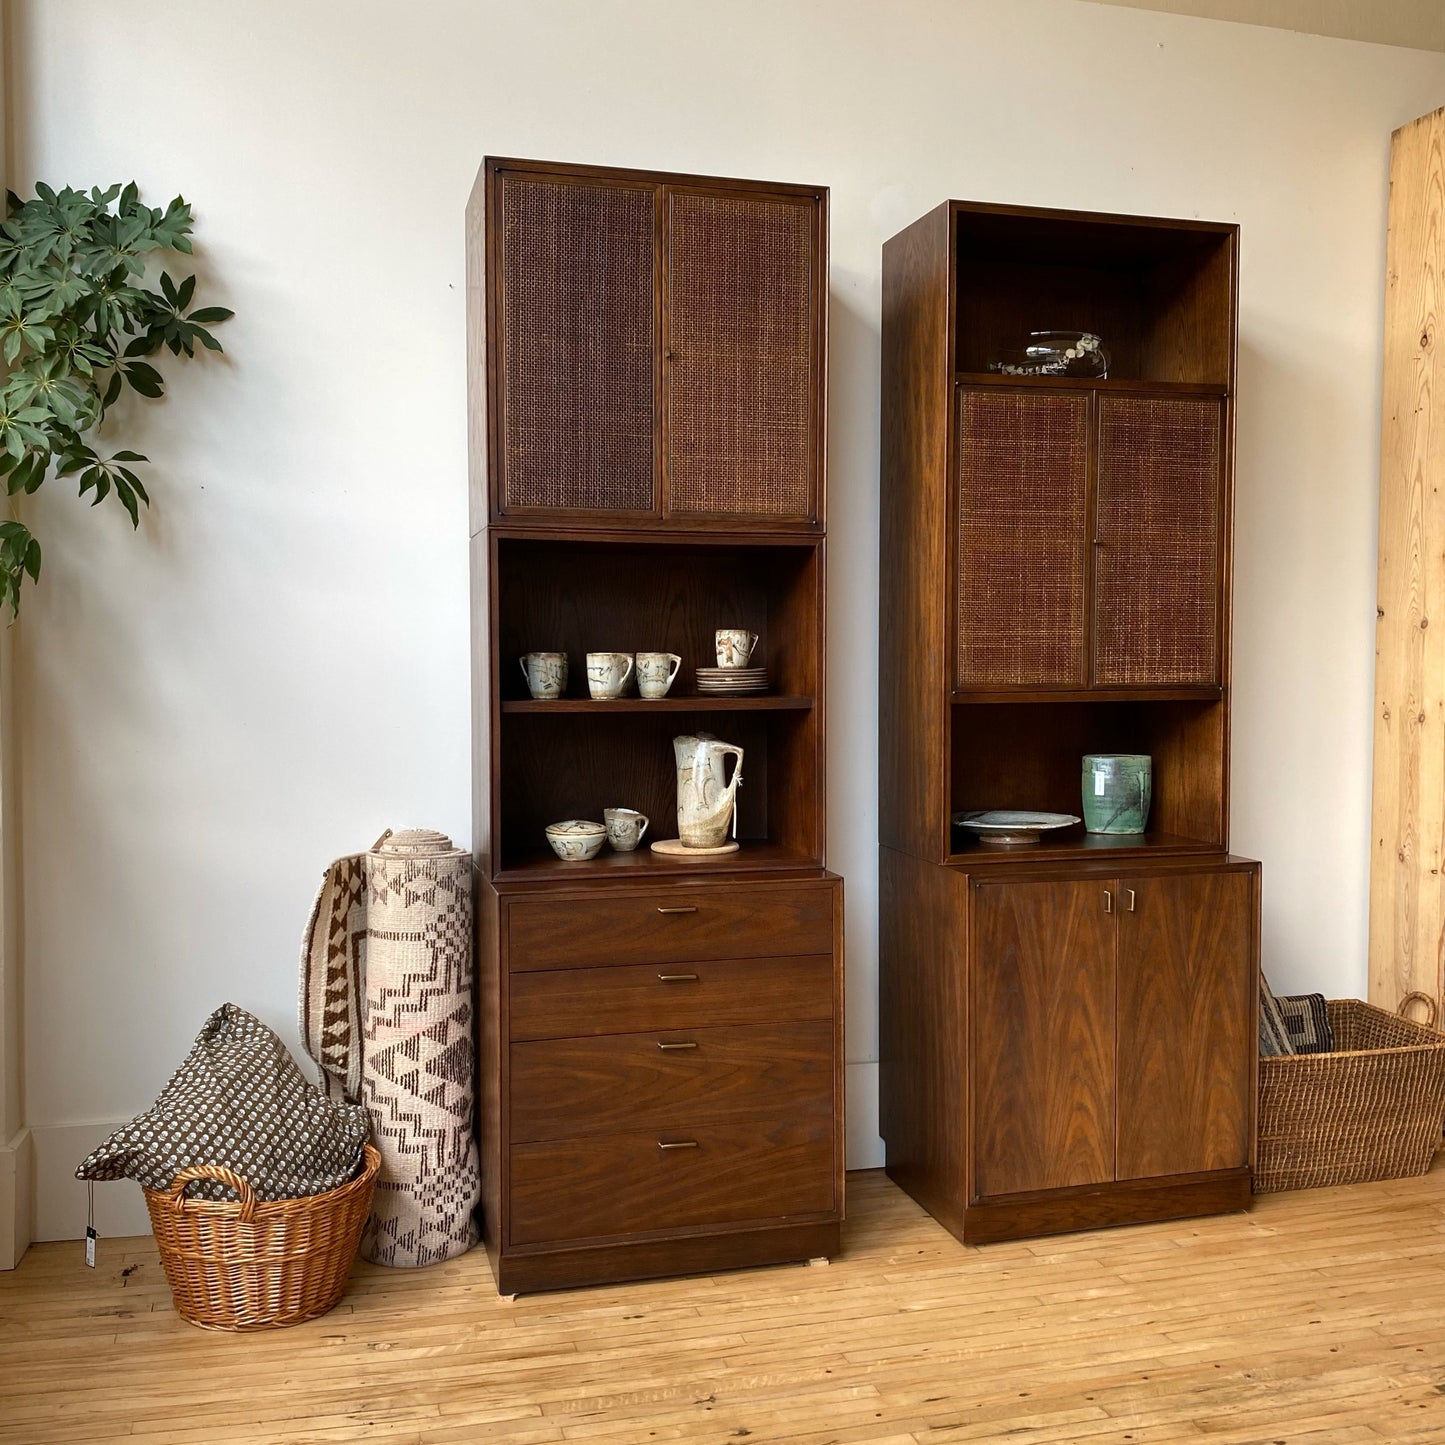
(239, 1100)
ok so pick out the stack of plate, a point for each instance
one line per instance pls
(732, 681)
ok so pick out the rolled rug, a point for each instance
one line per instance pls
(386, 1013)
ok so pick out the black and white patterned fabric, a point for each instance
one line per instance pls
(1307, 1021)
(239, 1100)
(1274, 1036)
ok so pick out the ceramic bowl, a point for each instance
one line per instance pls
(576, 840)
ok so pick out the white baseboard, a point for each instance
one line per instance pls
(16, 1173)
(864, 1148)
(59, 1197)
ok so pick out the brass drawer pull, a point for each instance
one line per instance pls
(678, 1144)
(665, 1047)
(691, 908)
(1108, 901)
(1129, 892)
(677, 978)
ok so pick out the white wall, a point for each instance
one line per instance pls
(276, 668)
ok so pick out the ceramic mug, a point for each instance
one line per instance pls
(608, 673)
(546, 673)
(625, 827)
(655, 672)
(735, 646)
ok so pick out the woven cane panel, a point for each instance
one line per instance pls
(1022, 472)
(739, 317)
(1157, 569)
(577, 345)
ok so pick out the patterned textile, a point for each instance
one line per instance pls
(386, 1013)
(1274, 1037)
(239, 1099)
(1307, 1021)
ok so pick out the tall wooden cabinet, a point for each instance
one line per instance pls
(660, 1039)
(1068, 1030)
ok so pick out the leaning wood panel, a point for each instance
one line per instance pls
(1407, 910)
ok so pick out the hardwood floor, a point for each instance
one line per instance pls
(1318, 1318)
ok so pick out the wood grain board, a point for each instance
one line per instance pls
(1407, 910)
(1318, 1318)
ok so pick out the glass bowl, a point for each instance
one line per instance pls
(1054, 353)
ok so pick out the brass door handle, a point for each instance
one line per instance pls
(665, 1046)
(1130, 893)
(677, 1144)
(691, 908)
(1108, 901)
(677, 978)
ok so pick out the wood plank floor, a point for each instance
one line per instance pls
(1317, 1318)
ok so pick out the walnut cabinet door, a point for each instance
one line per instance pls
(1113, 1029)
(1089, 539)
(658, 349)
(1186, 1023)
(575, 345)
(1042, 1037)
(742, 355)
(1158, 541)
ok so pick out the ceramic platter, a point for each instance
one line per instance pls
(676, 848)
(1008, 828)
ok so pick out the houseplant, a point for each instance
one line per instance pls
(78, 321)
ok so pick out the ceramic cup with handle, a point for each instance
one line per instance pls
(735, 646)
(625, 827)
(655, 672)
(608, 673)
(546, 673)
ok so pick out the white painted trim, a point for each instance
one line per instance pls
(16, 1170)
(59, 1197)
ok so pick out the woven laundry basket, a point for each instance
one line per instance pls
(1371, 1109)
(248, 1264)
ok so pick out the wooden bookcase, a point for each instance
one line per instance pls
(1067, 1030)
(660, 1039)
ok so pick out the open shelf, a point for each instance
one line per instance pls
(752, 857)
(1159, 293)
(1077, 846)
(687, 702)
(1030, 755)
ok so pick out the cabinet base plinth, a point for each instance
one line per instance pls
(1097, 1206)
(572, 1268)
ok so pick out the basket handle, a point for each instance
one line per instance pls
(1425, 999)
(177, 1192)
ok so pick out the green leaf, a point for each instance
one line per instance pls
(32, 560)
(129, 456)
(124, 491)
(187, 290)
(211, 315)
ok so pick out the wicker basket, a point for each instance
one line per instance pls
(245, 1264)
(1372, 1109)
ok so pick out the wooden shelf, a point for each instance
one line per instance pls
(1092, 383)
(1080, 847)
(752, 857)
(692, 702)
(1088, 694)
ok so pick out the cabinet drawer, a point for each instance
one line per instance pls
(582, 1002)
(565, 1088)
(741, 921)
(620, 1183)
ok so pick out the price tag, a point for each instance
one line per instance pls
(1098, 783)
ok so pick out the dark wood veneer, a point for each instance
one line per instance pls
(628, 494)
(1055, 581)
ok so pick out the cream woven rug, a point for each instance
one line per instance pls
(386, 1013)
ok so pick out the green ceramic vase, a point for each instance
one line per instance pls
(1118, 788)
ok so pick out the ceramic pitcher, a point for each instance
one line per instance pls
(705, 799)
